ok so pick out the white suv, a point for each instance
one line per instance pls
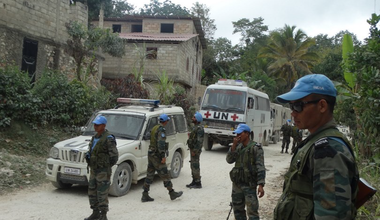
(130, 122)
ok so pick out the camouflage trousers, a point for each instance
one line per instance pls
(285, 142)
(195, 166)
(98, 188)
(154, 164)
(245, 196)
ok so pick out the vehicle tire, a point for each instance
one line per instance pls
(207, 143)
(60, 185)
(122, 180)
(176, 165)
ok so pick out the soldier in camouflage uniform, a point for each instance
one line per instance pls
(322, 181)
(248, 174)
(101, 156)
(297, 137)
(195, 144)
(157, 161)
(286, 133)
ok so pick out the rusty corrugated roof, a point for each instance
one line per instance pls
(157, 37)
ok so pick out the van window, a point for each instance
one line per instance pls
(262, 104)
(180, 123)
(152, 122)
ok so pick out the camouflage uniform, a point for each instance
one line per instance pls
(157, 151)
(321, 182)
(247, 174)
(103, 155)
(297, 137)
(286, 133)
(195, 144)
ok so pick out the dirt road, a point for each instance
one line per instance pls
(209, 203)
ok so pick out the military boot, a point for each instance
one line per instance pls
(94, 216)
(196, 185)
(282, 151)
(173, 194)
(146, 198)
(103, 216)
(191, 184)
(286, 151)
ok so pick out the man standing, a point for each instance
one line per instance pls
(101, 156)
(321, 182)
(248, 174)
(286, 133)
(157, 160)
(195, 143)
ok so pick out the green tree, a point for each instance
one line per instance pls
(83, 43)
(289, 55)
(202, 12)
(250, 31)
(166, 8)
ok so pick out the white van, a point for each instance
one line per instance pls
(279, 115)
(229, 103)
(130, 123)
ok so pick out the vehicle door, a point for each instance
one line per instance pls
(143, 164)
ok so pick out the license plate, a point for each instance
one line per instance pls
(70, 170)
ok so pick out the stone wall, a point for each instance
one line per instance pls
(43, 21)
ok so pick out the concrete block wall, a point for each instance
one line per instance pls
(180, 26)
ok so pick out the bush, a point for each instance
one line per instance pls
(181, 98)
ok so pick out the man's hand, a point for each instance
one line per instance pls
(260, 191)
(235, 143)
(163, 161)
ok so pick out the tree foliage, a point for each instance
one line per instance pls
(83, 43)
(165, 8)
(250, 31)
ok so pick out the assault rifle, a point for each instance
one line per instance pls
(365, 192)
(229, 213)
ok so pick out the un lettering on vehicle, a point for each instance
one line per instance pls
(223, 116)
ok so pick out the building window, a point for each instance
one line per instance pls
(116, 28)
(167, 28)
(151, 53)
(136, 28)
(29, 57)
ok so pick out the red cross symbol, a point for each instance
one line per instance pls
(207, 114)
(234, 117)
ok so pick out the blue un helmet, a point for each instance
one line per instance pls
(198, 116)
(164, 117)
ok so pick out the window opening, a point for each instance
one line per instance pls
(167, 28)
(116, 28)
(151, 53)
(29, 57)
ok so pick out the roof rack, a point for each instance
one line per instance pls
(130, 101)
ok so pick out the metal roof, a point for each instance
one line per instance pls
(157, 37)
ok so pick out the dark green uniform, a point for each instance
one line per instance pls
(103, 155)
(157, 151)
(247, 174)
(321, 182)
(195, 144)
(286, 133)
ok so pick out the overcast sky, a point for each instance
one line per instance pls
(312, 16)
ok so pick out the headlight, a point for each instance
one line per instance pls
(54, 153)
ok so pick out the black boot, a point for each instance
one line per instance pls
(103, 215)
(196, 185)
(94, 216)
(282, 151)
(286, 151)
(146, 198)
(173, 194)
(191, 184)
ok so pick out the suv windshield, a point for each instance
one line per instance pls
(224, 100)
(120, 125)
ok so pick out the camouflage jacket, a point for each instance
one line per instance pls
(158, 145)
(195, 141)
(103, 151)
(286, 130)
(321, 182)
(249, 166)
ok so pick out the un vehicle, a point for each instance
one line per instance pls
(229, 103)
(130, 122)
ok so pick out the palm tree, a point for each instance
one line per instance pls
(289, 55)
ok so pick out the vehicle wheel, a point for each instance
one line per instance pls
(60, 185)
(176, 165)
(207, 143)
(122, 180)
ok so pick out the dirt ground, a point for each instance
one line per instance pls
(209, 203)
